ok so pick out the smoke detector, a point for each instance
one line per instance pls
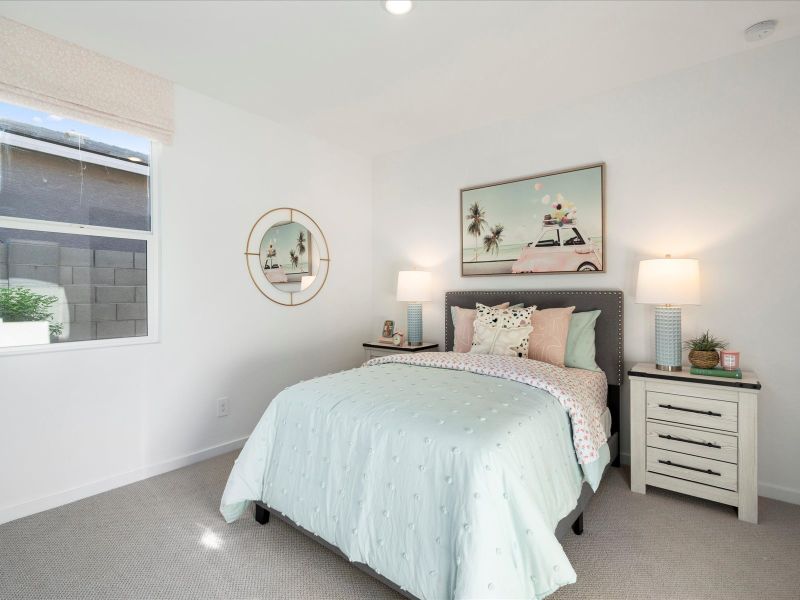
(761, 30)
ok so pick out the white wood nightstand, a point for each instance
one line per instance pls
(696, 435)
(376, 349)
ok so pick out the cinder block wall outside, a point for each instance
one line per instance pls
(3, 263)
(106, 290)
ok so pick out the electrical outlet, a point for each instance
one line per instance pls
(223, 406)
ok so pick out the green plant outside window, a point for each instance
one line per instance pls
(19, 304)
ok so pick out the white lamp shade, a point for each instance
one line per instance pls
(668, 281)
(413, 286)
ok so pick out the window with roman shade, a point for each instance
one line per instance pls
(78, 227)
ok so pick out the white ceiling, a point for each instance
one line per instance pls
(353, 74)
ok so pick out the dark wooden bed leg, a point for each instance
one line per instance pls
(262, 515)
(577, 526)
(617, 462)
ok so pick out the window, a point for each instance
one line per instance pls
(572, 237)
(77, 240)
(549, 238)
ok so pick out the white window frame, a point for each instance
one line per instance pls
(151, 237)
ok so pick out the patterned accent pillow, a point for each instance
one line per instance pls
(502, 331)
(548, 340)
(464, 326)
(514, 316)
(501, 341)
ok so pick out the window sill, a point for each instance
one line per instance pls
(85, 345)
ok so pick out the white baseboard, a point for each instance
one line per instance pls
(17, 511)
(768, 490)
(778, 492)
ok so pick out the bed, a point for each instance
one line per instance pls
(444, 475)
(276, 274)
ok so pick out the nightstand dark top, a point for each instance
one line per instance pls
(425, 347)
(748, 380)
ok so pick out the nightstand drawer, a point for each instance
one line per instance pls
(701, 412)
(716, 446)
(378, 352)
(379, 349)
(692, 468)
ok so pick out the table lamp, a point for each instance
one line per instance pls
(414, 287)
(668, 283)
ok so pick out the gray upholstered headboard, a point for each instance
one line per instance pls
(608, 329)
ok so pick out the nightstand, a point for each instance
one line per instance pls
(695, 435)
(376, 349)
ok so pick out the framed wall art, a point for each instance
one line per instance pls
(548, 223)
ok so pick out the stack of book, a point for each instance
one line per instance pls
(735, 374)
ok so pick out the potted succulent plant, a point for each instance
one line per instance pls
(704, 350)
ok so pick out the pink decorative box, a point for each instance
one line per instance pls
(729, 360)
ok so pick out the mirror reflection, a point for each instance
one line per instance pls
(288, 256)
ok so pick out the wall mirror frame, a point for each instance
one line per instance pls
(307, 279)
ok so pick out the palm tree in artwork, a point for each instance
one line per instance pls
(294, 258)
(491, 242)
(477, 223)
(301, 243)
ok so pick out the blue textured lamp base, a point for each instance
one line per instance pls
(414, 324)
(668, 338)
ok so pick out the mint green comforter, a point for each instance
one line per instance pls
(448, 483)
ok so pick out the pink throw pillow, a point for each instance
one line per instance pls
(548, 340)
(464, 327)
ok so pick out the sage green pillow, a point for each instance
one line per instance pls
(580, 341)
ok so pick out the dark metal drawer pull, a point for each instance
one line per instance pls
(672, 464)
(691, 410)
(677, 439)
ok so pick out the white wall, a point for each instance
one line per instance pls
(74, 423)
(701, 163)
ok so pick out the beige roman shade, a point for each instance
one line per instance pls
(47, 73)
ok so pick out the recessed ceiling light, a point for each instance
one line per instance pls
(135, 159)
(398, 7)
(761, 30)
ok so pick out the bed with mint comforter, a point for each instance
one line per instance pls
(443, 478)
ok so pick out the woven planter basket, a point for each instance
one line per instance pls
(704, 359)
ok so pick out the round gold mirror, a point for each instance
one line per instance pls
(287, 256)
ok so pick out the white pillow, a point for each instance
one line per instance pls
(513, 316)
(502, 331)
(502, 341)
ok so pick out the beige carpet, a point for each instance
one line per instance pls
(163, 538)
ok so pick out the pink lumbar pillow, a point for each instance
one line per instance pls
(465, 327)
(548, 340)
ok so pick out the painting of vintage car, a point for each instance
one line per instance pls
(548, 223)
